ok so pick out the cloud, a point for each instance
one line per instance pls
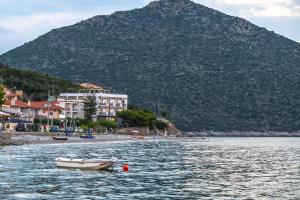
(39, 22)
(15, 30)
(264, 8)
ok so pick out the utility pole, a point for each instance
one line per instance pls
(156, 110)
(66, 111)
(48, 108)
(156, 105)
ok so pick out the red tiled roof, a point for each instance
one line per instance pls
(21, 104)
(43, 104)
(37, 105)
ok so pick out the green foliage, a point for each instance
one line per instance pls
(56, 122)
(96, 124)
(92, 124)
(137, 118)
(84, 127)
(108, 124)
(79, 122)
(35, 85)
(89, 108)
(2, 96)
(164, 114)
(160, 125)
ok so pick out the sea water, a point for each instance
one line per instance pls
(193, 168)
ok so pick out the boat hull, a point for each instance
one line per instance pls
(87, 137)
(60, 138)
(84, 164)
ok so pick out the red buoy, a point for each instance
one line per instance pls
(126, 167)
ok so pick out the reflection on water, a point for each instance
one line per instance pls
(214, 168)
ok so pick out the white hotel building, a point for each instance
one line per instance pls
(107, 104)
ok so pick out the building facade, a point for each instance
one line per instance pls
(38, 109)
(107, 104)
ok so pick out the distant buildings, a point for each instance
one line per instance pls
(67, 105)
(107, 104)
(28, 111)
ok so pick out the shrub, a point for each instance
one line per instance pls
(160, 125)
(137, 118)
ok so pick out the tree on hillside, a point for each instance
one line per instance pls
(164, 114)
(160, 125)
(35, 85)
(2, 96)
(137, 118)
(89, 107)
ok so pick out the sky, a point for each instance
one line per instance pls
(24, 20)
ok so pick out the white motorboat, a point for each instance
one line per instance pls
(84, 164)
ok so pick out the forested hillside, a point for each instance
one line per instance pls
(208, 70)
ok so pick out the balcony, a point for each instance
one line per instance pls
(103, 114)
(107, 114)
(103, 104)
(73, 110)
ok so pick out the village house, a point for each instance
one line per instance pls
(31, 110)
(45, 106)
(38, 109)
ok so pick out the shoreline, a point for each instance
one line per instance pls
(30, 138)
(46, 138)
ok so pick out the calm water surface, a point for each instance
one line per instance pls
(213, 168)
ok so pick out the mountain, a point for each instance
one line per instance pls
(35, 85)
(208, 70)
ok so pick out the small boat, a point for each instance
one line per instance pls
(84, 164)
(59, 138)
(87, 136)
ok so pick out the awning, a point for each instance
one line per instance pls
(14, 112)
(4, 114)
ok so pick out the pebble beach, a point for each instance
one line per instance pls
(33, 138)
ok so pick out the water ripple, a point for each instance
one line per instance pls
(214, 168)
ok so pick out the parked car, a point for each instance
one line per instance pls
(23, 127)
(54, 129)
(79, 130)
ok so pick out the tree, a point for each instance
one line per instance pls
(2, 96)
(137, 118)
(89, 107)
(160, 125)
(108, 124)
(164, 114)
